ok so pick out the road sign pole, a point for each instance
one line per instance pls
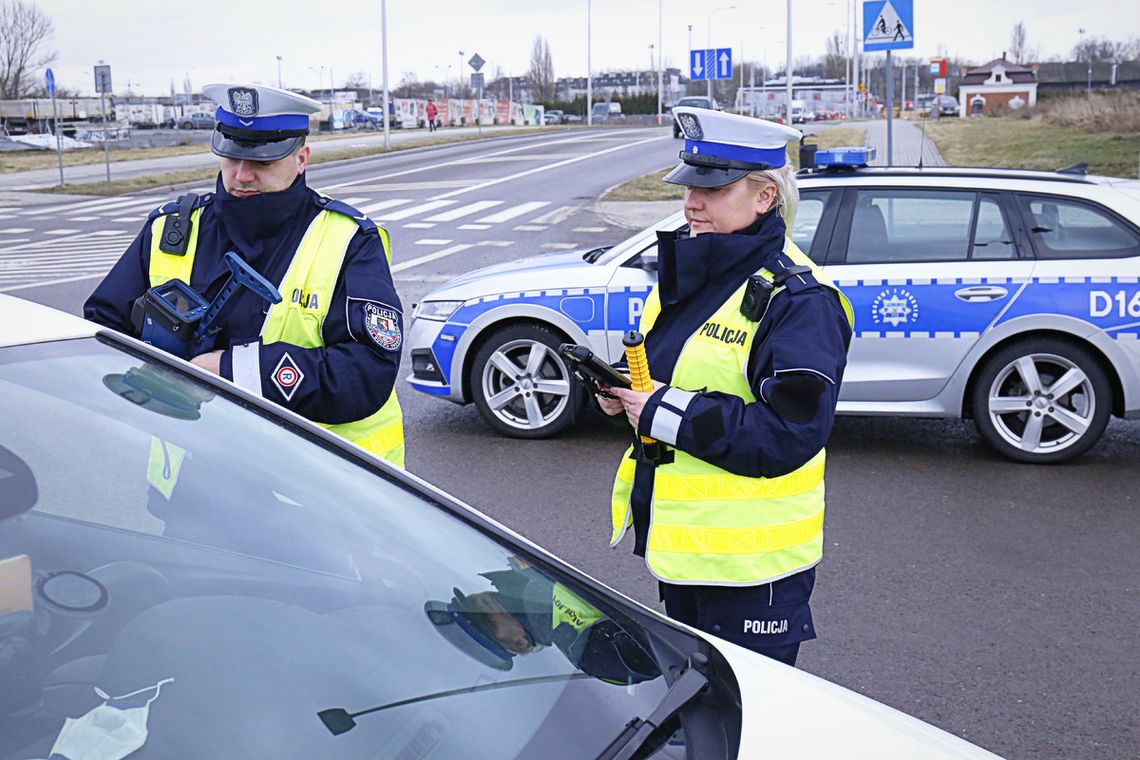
(890, 109)
(106, 145)
(58, 136)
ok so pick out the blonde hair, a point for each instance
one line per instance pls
(787, 192)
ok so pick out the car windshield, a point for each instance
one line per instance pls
(176, 555)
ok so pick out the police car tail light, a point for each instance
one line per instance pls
(438, 310)
(849, 157)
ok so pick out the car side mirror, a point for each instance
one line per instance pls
(18, 491)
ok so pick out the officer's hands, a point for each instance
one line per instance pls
(633, 401)
(211, 362)
(610, 406)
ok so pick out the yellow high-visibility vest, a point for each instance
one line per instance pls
(707, 525)
(314, 270)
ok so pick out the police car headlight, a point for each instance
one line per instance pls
(437, 310)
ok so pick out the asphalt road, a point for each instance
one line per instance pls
(996, 600)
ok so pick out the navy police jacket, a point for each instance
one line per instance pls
(352, 375)
(801, 343)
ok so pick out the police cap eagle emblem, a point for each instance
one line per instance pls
(243, 101)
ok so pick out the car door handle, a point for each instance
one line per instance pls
(981, 294)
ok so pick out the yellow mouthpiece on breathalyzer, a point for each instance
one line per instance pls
(640, 381)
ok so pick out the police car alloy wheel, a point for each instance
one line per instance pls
(521, 386)
(1042, 400)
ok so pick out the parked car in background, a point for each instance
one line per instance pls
(603, 112)
(377, 113)
(354, 117)
(947, 105)
(321, 603)
(1009, 297)
(693, 101)
(553, 116)
(197, 121)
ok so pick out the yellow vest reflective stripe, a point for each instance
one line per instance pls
(568, 607)
(298, 320)
(314, 270)
(708, 525)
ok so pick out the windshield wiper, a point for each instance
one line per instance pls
(338, 720)
(591, 256)
(638, 731)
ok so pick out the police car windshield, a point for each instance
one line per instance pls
(155, 529)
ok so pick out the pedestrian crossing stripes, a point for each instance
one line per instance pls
(59, 260)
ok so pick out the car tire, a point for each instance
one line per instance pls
(1042, 400)
(509, 374)
(676, 133)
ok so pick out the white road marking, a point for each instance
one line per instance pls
(128, 219)
(395, 216)
(61, 232)
(430, 257)
(498, 243)
(455, 162)
(431, 241)
(559, 246)
(590, 229)
(106, 232)
(82, 218)
(101, 204)
(354, 201)
(470, 208)
(510, 213)
(556, 216)
(7, 216)
(15, 230)
(555, 165)
(474, 226)
(419, 225)
(530, 228)
(370, 208)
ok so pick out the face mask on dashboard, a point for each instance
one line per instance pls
(112, 730)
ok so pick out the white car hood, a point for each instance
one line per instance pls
(521, 274)
(26, 322)
(791, 713)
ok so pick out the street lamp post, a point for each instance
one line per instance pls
(711, 14)
(459, 72)
(660, 68)
(589, 73)
(788, 72)
(384, 68)
(279, 87)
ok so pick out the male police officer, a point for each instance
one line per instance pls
(330, 349)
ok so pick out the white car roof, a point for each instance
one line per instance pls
(26, 322)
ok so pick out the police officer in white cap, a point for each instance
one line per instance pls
(746, 341)
(330, 350)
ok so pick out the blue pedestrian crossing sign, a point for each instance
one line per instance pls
(711, 63)
(888, 25)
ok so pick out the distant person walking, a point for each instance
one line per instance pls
(431, 112)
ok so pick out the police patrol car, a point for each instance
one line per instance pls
(1006, 296)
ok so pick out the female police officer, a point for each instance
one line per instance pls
(746, 341)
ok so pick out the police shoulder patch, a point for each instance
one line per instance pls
(382, 323)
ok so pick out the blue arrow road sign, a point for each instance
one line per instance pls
(713, 63)
(888, 25)
(723, 63)
(697, 68)
(49, 81)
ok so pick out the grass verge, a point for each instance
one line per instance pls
(649, 187)
(1003, 142)
(324, 154)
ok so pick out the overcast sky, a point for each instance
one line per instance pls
(148, 44)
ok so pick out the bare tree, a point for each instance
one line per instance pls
(24, 29)
(357, 80)
(1017, 43)
(540, 76)
(835, 60)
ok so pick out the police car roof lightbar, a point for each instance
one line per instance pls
(849, 157)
